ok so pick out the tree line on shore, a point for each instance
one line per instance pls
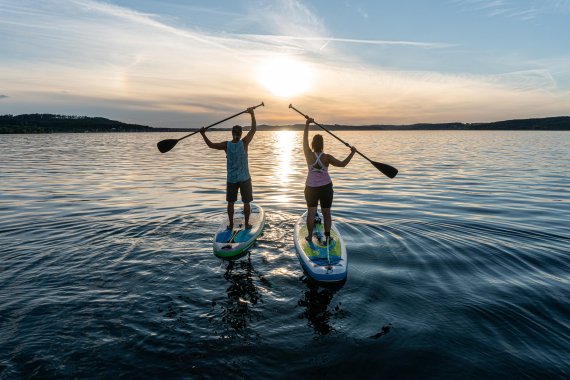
(50, 123)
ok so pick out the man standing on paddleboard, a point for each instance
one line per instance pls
(318, 186)
(238, 177)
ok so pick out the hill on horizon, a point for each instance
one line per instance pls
(50, 123)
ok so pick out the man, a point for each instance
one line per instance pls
(238, 177)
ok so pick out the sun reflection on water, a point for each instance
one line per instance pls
(284, 149)
(284, 171)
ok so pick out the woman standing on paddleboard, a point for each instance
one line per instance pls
(318, 186)
(238, 168)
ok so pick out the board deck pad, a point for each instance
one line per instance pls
(317, 249)
(230, 243)
(319, 264)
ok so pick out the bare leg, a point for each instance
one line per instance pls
(231, 214)
(310, 222)
(247, 213)
(327, 217)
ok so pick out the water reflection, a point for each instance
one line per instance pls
(278, 163)
(499, 277)
(284, 149)
(316, 301)
(238, 309)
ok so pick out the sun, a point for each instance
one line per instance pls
(285, 76)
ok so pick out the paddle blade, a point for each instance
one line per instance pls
(165, 145)
(388, 170)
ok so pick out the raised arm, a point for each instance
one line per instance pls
(306, 148)
(218, 146)
(247, 139)
(334, 162)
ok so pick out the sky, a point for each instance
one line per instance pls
(190, 63)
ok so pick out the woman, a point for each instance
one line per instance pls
(318, 186)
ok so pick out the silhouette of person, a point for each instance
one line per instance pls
(319, 186)
(238, 177)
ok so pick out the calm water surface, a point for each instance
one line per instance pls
(459, 267)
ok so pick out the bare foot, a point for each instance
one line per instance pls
(248, 226)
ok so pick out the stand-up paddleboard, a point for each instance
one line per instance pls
(321, 262)
(232, 243)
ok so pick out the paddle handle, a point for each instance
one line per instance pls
(332, 134)
(221, 121)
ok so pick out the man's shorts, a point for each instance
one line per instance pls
(245, 190)
(324, 194)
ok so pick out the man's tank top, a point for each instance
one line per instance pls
(238, 168)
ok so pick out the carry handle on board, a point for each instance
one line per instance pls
(386, 169)
(166, 145)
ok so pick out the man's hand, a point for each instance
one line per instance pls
(202, 131)
(310, 120)
(352, 149)
(250, 110)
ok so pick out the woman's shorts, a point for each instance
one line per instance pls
(323, 194)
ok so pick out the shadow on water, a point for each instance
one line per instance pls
(237, 311)
(316, 301)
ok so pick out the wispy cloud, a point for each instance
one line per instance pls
(143, 19)
(281, 40)
(361, 11)
(519, 9)
(3, 96)
(290, 17)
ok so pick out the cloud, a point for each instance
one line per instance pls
(3, 96)
(290, 17)
(362, 12)
(92, 58)
(283, 40)
(523, 10)
(381, 96)
(357, 8)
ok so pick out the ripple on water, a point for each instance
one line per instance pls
(457, 268)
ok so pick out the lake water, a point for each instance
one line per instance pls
(458, 268)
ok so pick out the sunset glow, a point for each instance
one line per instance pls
(171, 64)
(285, 77)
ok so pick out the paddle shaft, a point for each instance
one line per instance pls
(332, 134)
(221, 121)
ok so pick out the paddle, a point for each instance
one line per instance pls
(166, 145)
(388, 170)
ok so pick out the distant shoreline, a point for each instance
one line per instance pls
(48, 123)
